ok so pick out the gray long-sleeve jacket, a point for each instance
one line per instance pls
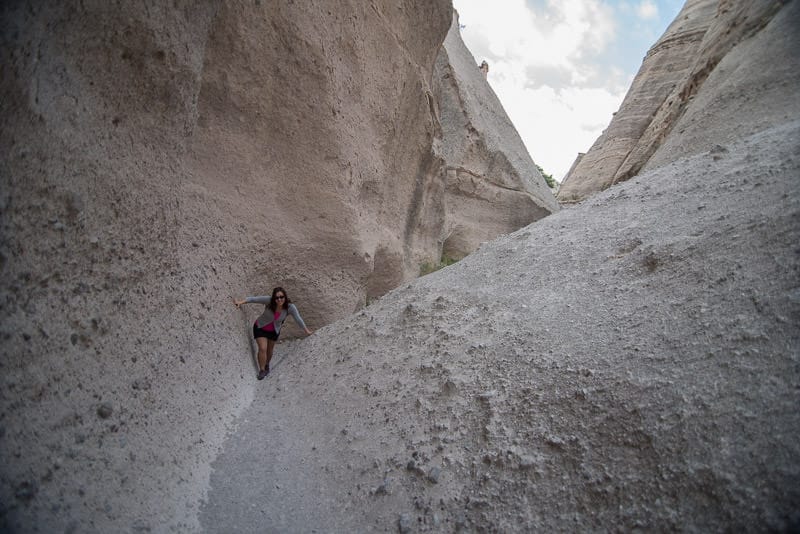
(269, 316)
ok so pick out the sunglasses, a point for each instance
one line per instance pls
(279, 297)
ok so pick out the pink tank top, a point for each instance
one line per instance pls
(270, 326)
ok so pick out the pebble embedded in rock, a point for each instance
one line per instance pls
(433, 475)
(105, 411)
(404, 523)
(385, 488)
(141, 384)
(26, 491)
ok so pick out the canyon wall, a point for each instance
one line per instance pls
(158, 160)
(493, 186)
(631, 363)
(671, 75)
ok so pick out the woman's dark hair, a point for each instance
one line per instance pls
(273, 305)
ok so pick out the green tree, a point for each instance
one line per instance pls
(551, 183)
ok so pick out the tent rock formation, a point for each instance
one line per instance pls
(672, 73)
(628, 364)
(492, 187)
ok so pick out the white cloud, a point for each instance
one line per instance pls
(647, 10)
(543, 67)
(562, 34)
(557, 124)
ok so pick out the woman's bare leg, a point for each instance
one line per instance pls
(270, 346)
(262, 352)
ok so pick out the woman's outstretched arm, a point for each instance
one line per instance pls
(299, 320)
(255, 300)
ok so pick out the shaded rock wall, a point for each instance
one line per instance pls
(672, 72)
(328, 161)
(106, 404)
(158, 160)
(493, 186)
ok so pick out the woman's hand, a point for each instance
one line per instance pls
(309, 332)
(239, 302)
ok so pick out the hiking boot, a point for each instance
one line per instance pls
(262, 374)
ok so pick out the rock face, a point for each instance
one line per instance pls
(158, 160)
(162, 159)
(493, 187)
(673, 71)
(630, 363)
(331, 169)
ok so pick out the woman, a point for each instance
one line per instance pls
(267, 327)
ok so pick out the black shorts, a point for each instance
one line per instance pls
(260, 332)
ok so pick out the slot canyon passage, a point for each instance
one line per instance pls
(630, 362)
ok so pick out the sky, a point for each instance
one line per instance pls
(562, 67)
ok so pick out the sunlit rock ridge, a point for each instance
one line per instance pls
(661, 103)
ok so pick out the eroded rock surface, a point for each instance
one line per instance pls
(684, 64)
(158, 160)
(493, 187)
(628, 360)
(629, 363)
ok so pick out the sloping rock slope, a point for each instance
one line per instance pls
(687, 56)
(493, 187)
(630, 363)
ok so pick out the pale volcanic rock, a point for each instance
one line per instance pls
(627, 364)
(159, 159)
(630, 363)
(493, 186)
(751, 81)
(666, 64)
(328, 163)
(674, 71)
